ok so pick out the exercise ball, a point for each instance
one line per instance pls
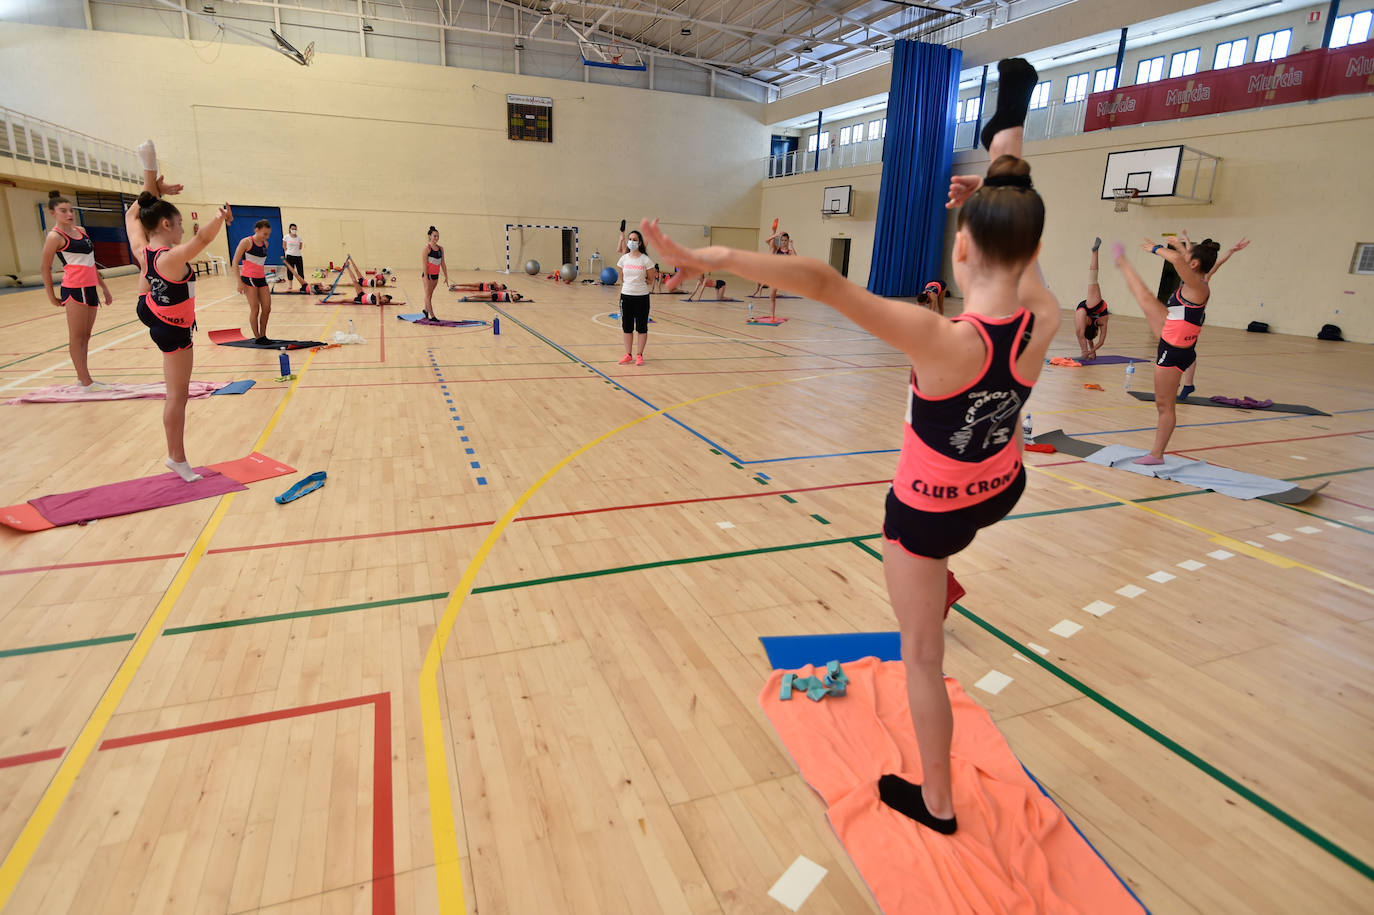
(568, 272)
(532, 267)
(609, 276)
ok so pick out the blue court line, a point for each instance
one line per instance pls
(1232, 422)
(808, 457)
(510, 317)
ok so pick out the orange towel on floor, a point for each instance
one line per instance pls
(1015, 851)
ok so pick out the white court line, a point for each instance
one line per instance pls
(1308, 529)
(724, 525)
(797, 882)
(1161, 576)
(142, 330)
(1130, 590)
(1280, 537)
(1066, 628)
(994, 681)
(1038, 649)
(1220, 554)
(1099, 608)
(1191, 565)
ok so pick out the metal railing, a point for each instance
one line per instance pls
(1058, 119)
(25, 138)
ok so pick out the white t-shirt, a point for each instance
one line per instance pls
(292, 245)
(634, 267)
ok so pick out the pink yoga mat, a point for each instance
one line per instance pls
(132, 496)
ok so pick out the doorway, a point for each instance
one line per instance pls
(839, 254)
(569, 252)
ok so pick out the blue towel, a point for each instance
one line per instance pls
(235, 387)
(1201, 474)
(790, 652)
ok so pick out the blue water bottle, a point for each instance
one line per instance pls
(496, 326)
(1130, 371)
(1026, 426)
(285, 361)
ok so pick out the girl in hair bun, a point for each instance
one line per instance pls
(960, 468)
(431, 263)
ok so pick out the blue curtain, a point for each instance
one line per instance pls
(918, 153)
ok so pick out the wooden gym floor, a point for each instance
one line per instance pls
(286, 740)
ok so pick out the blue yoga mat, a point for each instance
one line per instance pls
(790, 652)
(235, 387)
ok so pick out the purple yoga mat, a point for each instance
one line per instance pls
(1110, 360)
(132, 496)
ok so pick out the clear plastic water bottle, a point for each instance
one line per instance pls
(751, 309)
(1026, 426)
(350, 326)
(1130, 374)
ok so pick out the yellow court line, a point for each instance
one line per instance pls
(447, 865)
(26, 845)
(1230, 543)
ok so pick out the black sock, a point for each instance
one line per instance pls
(622, 225)
(1015, 84)
(1097, 243)
(1185, 391)
(905, 798)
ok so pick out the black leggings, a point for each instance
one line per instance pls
(297, 263)
(634, 313)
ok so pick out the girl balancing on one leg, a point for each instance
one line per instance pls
(250, 259)
(82, 287)
(432, 262)
(167, 300)
(637, 272)
(1190, 375)
(778, 244)
(1091, 316)
(1176, 324)
(960, 469)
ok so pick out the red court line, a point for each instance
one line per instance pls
(1348, 502)
(627, 375)
(87, 565)
(54, 314)
(383, 838)
(24, 759)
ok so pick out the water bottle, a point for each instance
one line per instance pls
(496, 327)
(751, 309)
(350, 326)
(1130, 371)
(285, 362)
(1026, 426)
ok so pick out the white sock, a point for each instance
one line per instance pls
(95, 386)
(147, 155)
(183, 469)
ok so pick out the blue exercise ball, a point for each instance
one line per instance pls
(609, 276)
(532, 267)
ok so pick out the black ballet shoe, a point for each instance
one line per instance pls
(906, 798)
(1016, 80)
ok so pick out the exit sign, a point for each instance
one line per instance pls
(1314, 16)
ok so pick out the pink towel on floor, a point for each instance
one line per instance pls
(73, 393)
(132, 496)
(1015, 851)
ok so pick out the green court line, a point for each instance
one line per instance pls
(1353, 527)
(1173, 746)
(63, 646)
(301, 614)
(868, 549)
(820, 519)
(64, 346)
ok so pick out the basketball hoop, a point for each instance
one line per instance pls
(610, 56)
(1122, 197)
(826, 214)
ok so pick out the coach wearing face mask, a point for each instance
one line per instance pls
(637, 271)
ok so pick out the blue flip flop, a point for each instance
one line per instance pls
(301, 487)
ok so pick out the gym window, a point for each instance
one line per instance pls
(1076, 87)
(825, 139)
(1149, 71)
(1104, 79)
(1230, 54)
(1351, 29)
(1040, 98)
(1363, 262)
(873, 130)
(844, 136)
(971, 108)
(858, 136)
(1184, 63)
(1272, 45)
(811, 143)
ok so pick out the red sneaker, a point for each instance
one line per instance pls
(627, 359)
(639, 360)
